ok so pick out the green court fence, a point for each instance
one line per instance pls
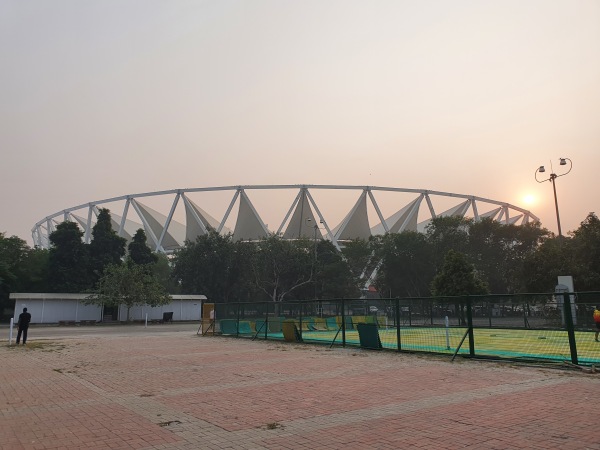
(542, 327)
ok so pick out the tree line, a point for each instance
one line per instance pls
(455, 256)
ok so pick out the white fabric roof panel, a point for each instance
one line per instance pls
(193, 228)
(403, 220)
(491, 214)
(303, 221)
(458, 211)
(156, 222)
(249, 225)
(356, 223)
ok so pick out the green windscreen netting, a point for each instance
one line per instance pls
(525, 326)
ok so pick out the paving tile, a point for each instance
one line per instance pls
(176, 390)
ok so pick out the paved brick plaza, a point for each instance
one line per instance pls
(166, 388)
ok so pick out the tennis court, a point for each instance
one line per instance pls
(512, 327)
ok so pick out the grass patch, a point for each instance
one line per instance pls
(44, 346)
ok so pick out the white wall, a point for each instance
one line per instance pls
(181, 309)
(52, 308)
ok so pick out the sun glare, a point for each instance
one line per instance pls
(529, 199)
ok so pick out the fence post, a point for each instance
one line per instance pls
(237, 325)
(398, 345)
(470, 325)
(300, 318)
(267, 321)
(570, 328)
(431, 312)
(343, 323)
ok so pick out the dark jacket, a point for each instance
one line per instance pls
(24, 319)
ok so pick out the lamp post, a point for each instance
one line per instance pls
(316, 228)
(552, 177)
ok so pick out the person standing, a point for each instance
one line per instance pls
(597, 320)
(24, 319)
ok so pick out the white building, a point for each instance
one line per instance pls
(55, 308)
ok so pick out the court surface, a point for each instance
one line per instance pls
(164, 387)
(510, 343)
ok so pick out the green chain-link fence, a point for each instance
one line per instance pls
(551, 327)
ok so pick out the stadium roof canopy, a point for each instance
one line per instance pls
(334, 212)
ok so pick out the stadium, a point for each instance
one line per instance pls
(335, 212)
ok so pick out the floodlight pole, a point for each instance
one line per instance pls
(316, 228)
(552, 178)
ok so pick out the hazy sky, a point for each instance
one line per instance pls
(106, 98)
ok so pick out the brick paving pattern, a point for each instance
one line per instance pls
(160, 389)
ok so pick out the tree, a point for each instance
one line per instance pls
(139, 252)
(333, 277)
(163, 272)
(106, 247)
(457, 277)
(282, 266)
(551, 259)
(32, 271)
(362, 257)
(129, 286)
(499, 252)
(447, 233)
(215, 266)
(13, 251)
(586, 254)
(69, 260)
(406, 268)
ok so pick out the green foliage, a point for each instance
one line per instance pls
(333, 277)
(13, 252)
(447, 233)
(457, 277)
(406, 266)
(106, 247)
(499, 252)
(585, 245)
(20, 270)
(282, 266)
(32, 271)
(130, 286)
(361, 256)
(162, 271)
(69, 260)
(509, 258)
(542, 268)
(139, 252)
(215, 266)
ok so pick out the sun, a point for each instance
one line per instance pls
(529, 199)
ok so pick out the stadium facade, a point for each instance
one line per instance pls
(334, 212)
